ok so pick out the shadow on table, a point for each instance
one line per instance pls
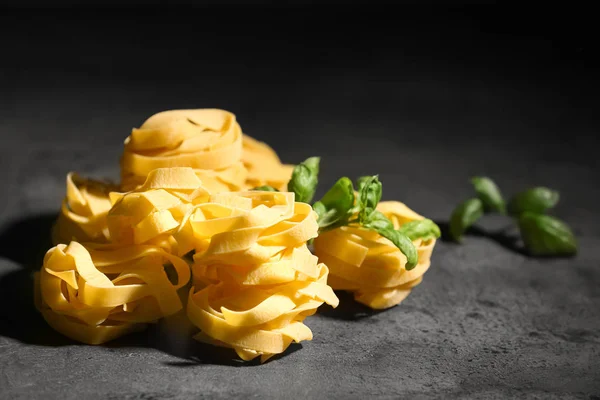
(348, 309)
(508, 238)
(179, 343)
(25, 242)
(222, 356)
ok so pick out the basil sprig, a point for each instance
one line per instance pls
(369, 194)
(334, 207)
(465, 215)
(489, 199)
(303, 182)
(546, 235)
(341, 206)
(402, 242)
(543, 235)
(424, 229)
(377, 221)
(305, 178)
(535, 200)
(489, 194)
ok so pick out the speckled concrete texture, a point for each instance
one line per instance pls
(487, 321)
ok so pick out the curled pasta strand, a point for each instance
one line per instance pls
(155, 211)
(83, 212)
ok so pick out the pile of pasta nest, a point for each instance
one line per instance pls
(184, 216)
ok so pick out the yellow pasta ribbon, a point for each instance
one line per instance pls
(98, 294)
(155, 211)
(255, 279)
(264, 166)
(369, 265)
(83, 212)
(207, 140)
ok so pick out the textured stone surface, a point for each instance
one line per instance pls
(487, 321)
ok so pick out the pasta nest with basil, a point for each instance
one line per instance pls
(255, 281)
(370, 266)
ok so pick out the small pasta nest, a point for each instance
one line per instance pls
(370, 266)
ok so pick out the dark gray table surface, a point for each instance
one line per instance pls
(486, 322)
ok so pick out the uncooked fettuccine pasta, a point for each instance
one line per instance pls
(83, 212)
(99, 293)
(255, 280)
(155, 211)
(207, 140)
(369, 265)
(264, 166)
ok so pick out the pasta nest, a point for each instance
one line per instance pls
(96, 292)
(255, 281)
(101, 292)
(208, 140)
(369, 265)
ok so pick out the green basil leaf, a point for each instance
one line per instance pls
(319, 209)
(545, 235)
(424, 229)
(378, 221)
(313, 164)
(334, 205)
(330, 219)
(368, 197)
(463, 216)
(535, 200)
(305, 179)
(360, 182)
(402, 242)
(489, 193)
(266, 188)
(302, 183)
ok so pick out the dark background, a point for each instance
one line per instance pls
(425, 96)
